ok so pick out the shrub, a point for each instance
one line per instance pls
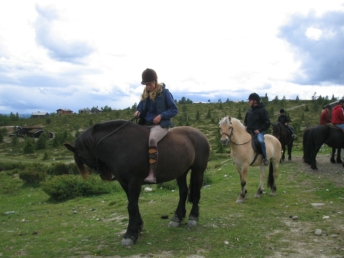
(58, 169)
(9, 165)
(70, 186)
(33, 174)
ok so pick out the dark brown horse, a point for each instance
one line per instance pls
(285, 138)
(119, 149)
(315, 137)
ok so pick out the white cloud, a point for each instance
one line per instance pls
(215, 49)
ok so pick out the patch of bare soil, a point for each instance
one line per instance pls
(331, 171)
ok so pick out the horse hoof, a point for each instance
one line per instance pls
(239, 201)
(273, 194)
(127, 242)
(173, 224)
(257, 196)
(192, 223)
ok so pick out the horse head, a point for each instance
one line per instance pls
(226, 130)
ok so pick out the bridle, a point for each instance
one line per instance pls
(231, 134)
(96, 154)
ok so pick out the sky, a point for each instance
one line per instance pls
(81, 54)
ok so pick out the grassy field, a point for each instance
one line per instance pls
(32, 225)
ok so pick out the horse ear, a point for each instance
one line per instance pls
(229, 117)
(69, 147)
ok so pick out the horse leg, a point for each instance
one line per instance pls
(261, 183)
(135, 221)
(283, 153)
(332, 160)
(180, 211)
(339, 158)
(196, 182)
(290, 145)
(243, 175)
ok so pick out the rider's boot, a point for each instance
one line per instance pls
(153, 161)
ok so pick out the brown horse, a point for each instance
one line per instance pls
(119, 149)
(243, 155)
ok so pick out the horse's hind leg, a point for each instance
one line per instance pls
(261, 183)
(332, 160)
(339, 158)
(196, 182)
(181, 211)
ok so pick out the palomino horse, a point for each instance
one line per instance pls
(243, 155)
(285, 138)
(119, 150)
(315, 137)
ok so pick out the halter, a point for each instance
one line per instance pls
(231, 134)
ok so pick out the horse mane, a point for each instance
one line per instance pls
(227, 120)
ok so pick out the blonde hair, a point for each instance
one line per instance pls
(152, 95)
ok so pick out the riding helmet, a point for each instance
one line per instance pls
(341, 101)
(328, 106)
(149, 75)
(282, 110)
(254, 96)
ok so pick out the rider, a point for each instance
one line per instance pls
(257, 121)
(155, 110)
(325, 115)
(284, 120)
(338, 115)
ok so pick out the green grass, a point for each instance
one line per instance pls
(94, 226)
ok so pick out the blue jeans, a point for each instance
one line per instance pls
(260, 138)
(341, 126)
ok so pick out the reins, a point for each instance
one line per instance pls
(135, 117)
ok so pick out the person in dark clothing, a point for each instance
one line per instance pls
(155, 111)
(257, 122)
(284, 120)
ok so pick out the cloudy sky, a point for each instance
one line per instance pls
(76, 54)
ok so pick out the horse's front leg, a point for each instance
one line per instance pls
(261, 183)
(135, 221)
(179, 214)
(290, 146)
(332, 160)
(243, 176)
(283, 153)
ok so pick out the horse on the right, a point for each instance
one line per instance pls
(315, 137)
(285, 138)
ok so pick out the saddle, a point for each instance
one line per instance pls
(256, 147)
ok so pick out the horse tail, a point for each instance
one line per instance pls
(271, 178)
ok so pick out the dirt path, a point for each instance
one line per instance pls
(334, 172)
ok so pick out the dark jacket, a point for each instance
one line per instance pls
(257, 119)
(163, 105)
(283, 119)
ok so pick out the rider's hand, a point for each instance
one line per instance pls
(137, 113)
